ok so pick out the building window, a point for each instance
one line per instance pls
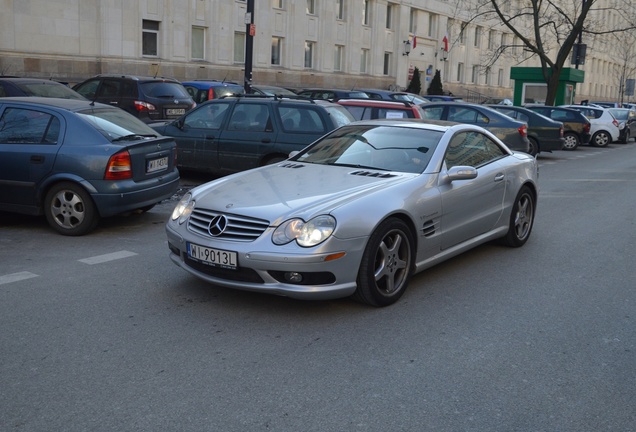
(278, 4)
(366, 12)
(150, 38)
(491, 39)
(503, 40)
(276, 50)
(309, 54)
(500, 78)
(460, 72)
(387, 64)
(389, 16)
(239, 47)
(311, 7)
(198, 43)
(432, 25)
(462, 34)
(337, 58)
(477, 40)
(413, 21)
(340, 9)
(475, 76)
(364, 61)
(488, 76)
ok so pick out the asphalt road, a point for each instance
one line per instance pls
(104, 333)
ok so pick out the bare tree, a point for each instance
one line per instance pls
(548, 29)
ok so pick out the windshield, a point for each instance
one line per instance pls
(50, 90)
(117, 124)
(385, 148)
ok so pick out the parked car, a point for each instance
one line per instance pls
(233, 134)
(147, 98)
(332, 94)
(76, 161)
(497, 101)
(626, 123)
(203, 90)
(357, 212)
(367, 109)
(512, 132)
(603, 125)
(442, 98)
(13, 86)
(576, 125)
(392, 95)
(271, 90)
(544, 134)
(604, 104)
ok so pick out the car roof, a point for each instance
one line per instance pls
(136, 77)
(67, 104)
(21, 80)
(377, 102)
(210, 83)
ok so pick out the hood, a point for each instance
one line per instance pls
(276, 192)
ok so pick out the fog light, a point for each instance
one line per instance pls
(293, 277)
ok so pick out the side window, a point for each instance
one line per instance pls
(109, 88)
(22, 126)
(88, 89)
(433, 113)
(472, 149)
(301, 119)
(209, 116)
(3, 92)
(523, 117)
(466, 115)
(251, 117)
(356, 111)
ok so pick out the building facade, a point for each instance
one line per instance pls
(297, 43)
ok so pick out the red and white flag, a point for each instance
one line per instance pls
(445, 42)
(414, 40)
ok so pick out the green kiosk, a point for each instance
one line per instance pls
(530, 87)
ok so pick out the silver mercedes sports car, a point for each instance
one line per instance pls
(357, 212)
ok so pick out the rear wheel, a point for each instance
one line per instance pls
(521, 219)
(533, 148)
(386, 264)
(626, 138)
(601, 139)
(571, 141)
(69, 209)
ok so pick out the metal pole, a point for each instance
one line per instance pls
(249, 46)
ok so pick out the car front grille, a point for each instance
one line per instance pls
(226, 226)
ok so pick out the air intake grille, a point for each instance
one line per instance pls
(372, 174)
(230, 226)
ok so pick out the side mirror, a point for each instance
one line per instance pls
(461, 172)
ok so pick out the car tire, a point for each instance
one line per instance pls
(601, 139)
(533, 148)
(70, 210)
(521, 219)
(626, 139)
(572, 141)
(386, 264)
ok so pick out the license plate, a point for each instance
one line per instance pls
(175, 111)
(213, 257)
(157, 165)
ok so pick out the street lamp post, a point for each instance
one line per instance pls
(249, 45)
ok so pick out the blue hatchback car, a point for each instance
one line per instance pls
(76, 161)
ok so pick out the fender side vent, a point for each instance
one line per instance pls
(429, 228)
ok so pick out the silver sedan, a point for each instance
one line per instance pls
(357, 212)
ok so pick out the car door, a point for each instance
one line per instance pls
(197, 135)
(472, 207)
(247, 137)
(29, 142)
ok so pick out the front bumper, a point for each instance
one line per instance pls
(261, 268)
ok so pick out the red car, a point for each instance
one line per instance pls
(371, 109)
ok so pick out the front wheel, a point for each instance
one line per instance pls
(533, 148)
(521, 219)
(386, 264)
(69, 209)
(601, 139)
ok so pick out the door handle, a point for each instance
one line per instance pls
(209, 137)
(37, 159)
(499, 177)
(266, 140)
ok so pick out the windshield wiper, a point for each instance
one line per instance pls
(133, 137)
(357, 166)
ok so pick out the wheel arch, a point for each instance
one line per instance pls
(51, 181)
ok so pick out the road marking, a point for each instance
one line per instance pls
(15, 277)
(99, 259)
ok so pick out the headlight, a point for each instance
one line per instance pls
(184, 208)
(306, 234)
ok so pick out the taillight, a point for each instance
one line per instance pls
(523, 130)
(615, 123)
(144, 106)
(561, 131)
(211, 94)
(119, 166)
(586, 128)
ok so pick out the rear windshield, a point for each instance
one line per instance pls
(115, 124)
(165, 90)
(50, 90)
(340, 115)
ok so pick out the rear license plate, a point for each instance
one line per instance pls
(155, 165)
(175, 111)
(213, 257)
